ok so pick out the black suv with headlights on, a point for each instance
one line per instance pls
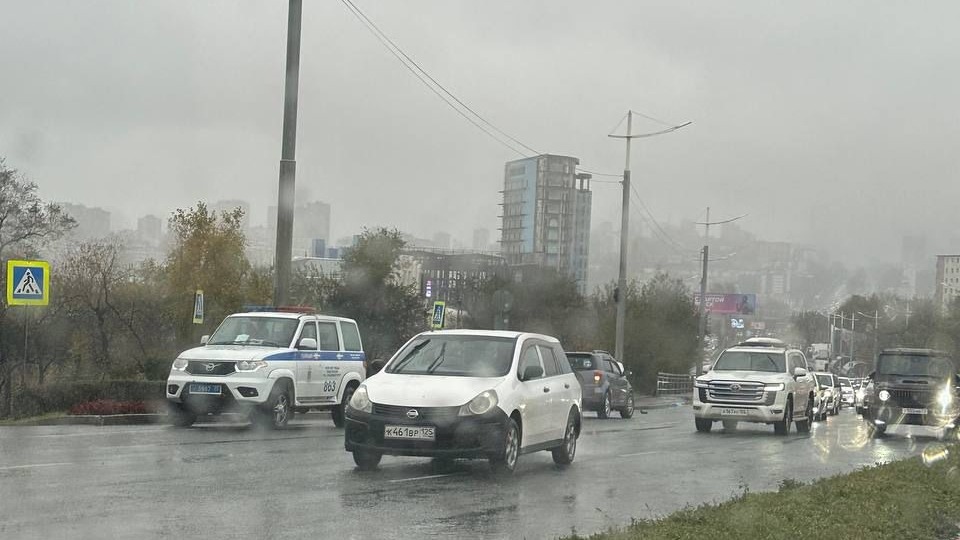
(915, 387)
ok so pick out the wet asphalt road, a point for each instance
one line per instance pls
(226, 481)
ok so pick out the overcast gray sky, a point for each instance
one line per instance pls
(828, 122)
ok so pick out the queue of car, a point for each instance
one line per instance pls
(496, 395)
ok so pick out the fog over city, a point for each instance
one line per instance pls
(819, 120)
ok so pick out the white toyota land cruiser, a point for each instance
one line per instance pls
(269, 363)
(760, 380)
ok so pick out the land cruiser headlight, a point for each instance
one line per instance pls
(700, 383)
(250, 365)
(883, 395)
(481, 404)
(945, 397)
(180, 364)
(778, 387)
(361, 401)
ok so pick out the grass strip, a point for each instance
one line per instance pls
(917, 498)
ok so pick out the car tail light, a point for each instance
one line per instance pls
(597, 376)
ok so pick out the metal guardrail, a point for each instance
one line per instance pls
(672, 384)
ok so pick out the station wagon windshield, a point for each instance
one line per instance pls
(263, 331)
(459, 356)
(918, 366)
(751, 361)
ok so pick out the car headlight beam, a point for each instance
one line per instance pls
(945, 397)
(883, 395)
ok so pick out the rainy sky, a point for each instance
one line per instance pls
(830, 123)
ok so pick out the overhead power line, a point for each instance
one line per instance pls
(441, 91)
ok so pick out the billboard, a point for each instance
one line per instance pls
(743, 304)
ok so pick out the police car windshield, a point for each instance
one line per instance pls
(915, 365)
(255, 331)
(751, 361)
(458, 356)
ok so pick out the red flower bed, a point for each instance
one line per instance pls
(109, 406)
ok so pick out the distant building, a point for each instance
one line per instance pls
(546, 214)
(149, 229)
(91, 222)
(948, 279)
(442, 240)
(311, 221)
(447, 274)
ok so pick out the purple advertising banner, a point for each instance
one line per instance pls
(743, 304)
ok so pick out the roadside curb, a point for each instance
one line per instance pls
(99, 420)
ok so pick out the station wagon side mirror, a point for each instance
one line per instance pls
(307, 343)
(204, 339)
(532, 372)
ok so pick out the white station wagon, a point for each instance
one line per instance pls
(468, 394)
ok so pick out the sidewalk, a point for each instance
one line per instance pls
(649, 403)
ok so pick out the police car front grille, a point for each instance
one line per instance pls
(202, 367)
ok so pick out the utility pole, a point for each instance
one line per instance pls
(853, 336)
(288, 163)
(625, 230)
(703, 284)
(624, 234)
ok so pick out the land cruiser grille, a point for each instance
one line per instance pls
(203, 367)
(911, 399)
(426, 414)
(735, 391)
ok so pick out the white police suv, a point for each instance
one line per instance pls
(269, 362)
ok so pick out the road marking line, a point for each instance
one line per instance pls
(428, 477)
(12, 467)
(640, 454)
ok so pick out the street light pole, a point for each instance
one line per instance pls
(288, 163)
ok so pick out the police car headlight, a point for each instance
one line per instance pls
(250, 365)
(361, 401)
(180, 364)
(481, 404)
(883, 395)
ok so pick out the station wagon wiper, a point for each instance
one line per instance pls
(438, 360)
(410, 356)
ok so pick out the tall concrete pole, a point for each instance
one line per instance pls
(624, 237)
(288, 163)
(703, 296)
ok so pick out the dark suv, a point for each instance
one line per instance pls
(912, 386)
(604, 383)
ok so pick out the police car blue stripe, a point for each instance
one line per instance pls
(334, 356)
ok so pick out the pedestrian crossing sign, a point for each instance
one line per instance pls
(28, 283)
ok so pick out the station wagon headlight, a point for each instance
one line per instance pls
(883, 395)
(361, 401)
(481, 404)
(250, 365)
(180, 364)
(778, 387)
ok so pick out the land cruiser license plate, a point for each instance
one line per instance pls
(410, 433)
(210, 389)
(734, 412)
(914, 411)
